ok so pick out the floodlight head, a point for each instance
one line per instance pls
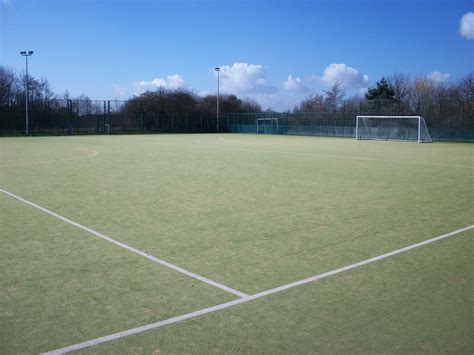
(23, 53)
(30, 52)
(217, 68)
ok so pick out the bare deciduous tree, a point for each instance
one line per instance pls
(313, 103)
(401, 84)
(334, 96)
(9, 86)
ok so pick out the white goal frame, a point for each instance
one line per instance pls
(419, 119)
(271, 119)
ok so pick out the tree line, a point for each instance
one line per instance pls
(412, 94)
(12, 93)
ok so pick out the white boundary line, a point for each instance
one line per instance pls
(94, 153)
(218, 307)
(128, 247)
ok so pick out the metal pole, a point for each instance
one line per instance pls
(218, 84)
(26, 55)
(26, 111)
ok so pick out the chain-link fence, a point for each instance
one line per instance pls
(447, 120)
(451, 120)
(69, 117)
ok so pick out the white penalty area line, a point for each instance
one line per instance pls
(128, 247)
(315, 155)
(93, 154)
(221, 306)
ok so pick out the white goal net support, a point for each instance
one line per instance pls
(267, 125)
(407, 128)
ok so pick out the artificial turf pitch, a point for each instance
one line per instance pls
(250, 212)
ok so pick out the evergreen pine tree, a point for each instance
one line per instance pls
(383, 90)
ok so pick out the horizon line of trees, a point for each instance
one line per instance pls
(13, 86)
(410, 93)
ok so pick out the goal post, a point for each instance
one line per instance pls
(267, 125)
(408, 128)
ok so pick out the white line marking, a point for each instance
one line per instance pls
(357, 158)
(93, 154)
(313, 155)
(218, 307)
(129, 248)
(219, 147)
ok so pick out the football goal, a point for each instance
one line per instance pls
(409, 128)
(267, 125)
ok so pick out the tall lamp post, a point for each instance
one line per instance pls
(217, 69)
(26, 55)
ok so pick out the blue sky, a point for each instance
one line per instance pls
(277, 52)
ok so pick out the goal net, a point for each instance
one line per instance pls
(409, 128)
(267, 125)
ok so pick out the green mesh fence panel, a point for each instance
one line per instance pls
(86, 117)
(450, 120)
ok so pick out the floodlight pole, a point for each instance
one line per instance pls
(217, 69)
(26, 55)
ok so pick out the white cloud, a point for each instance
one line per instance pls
(295, 84)
(466, 25)
(170, 82)
(348, 77)
(276, 102)
(438, 77)
(120, 91)
(204, 93)
(244, 78)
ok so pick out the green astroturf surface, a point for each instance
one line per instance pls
(59, 284)
(419, 302)
(251, 212)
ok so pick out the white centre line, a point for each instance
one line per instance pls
(221, 306)
(128, 247)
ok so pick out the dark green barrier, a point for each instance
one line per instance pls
(449, 120)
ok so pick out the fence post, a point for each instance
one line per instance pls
(105, 115)
(69, 117)
(464, 136)
(31, 130)
(327, 125)
(141, 116)
(447, 135)
(108, 118)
